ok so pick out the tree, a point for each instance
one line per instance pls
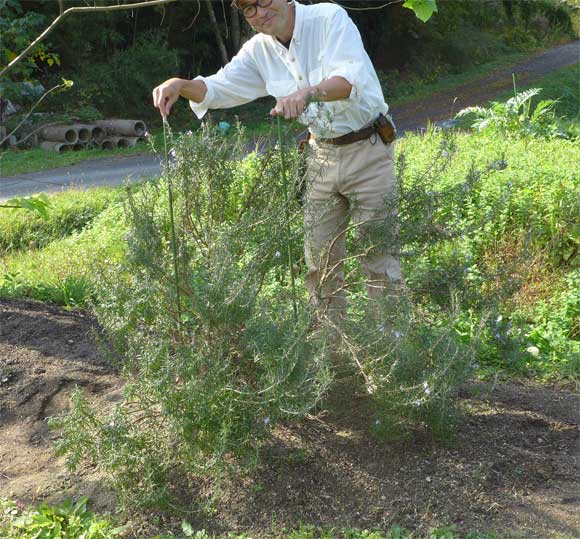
(424, 9)
(64, 14)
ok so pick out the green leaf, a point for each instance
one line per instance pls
(422, 8)
(187, 529)
(38, 203)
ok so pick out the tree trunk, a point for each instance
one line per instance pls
(235, 34)
(217, 33)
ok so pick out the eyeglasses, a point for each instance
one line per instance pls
(249, 10)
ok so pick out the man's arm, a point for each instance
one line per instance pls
(293, 105)
(166, 94)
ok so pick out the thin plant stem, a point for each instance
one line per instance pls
(172, 220)
(287, 216)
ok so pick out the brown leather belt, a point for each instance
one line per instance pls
(349, 138)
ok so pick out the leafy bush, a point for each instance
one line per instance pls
(18, 28)
(122, 85)
(68, 520)
(213, 364)
(201, 317)
(515, 231)
(197, 304)
(517, 117)
(553, 341)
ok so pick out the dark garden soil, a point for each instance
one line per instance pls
(513, 467)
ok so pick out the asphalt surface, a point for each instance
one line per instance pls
(437, 108)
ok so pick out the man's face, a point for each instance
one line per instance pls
(274, 20)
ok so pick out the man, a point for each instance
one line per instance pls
(312, 60)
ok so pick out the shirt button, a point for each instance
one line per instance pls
(300, 78)
(291, 59)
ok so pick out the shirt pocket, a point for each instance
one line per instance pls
(281, 88)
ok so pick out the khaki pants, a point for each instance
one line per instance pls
(350, 187)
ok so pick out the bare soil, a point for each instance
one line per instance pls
(513, 467)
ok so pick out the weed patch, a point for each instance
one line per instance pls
(70, 212)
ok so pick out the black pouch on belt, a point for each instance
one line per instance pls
(385, 128)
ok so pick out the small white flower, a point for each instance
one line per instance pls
(416, 402)
(277, 254)
(533, 350)
(397, 334)
(426, 388)
(378, 422)
(445, 154)
(172, 154)
(266, 421)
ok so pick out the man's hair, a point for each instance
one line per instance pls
(236, 3)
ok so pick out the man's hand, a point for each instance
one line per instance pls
(166, 94)
(294, 104)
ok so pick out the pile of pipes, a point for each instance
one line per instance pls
(105, 134)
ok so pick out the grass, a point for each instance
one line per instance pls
(70, 211)
(14, 162)
(62, 270)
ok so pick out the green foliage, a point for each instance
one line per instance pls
(38, 204)
(462, 35)
(517, 117)
(519, 214)
(212, 369)
(18, 28)
(424, 9)
(69, 520)
(562, 87)
(62, 214)
(553, 342)
(122, 85)
(413, 366)
(63, 271)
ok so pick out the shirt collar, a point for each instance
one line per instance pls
(298, 23)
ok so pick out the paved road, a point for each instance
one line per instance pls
(410, 116)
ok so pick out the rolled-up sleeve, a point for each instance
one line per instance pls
(237, 83)
(345, 55)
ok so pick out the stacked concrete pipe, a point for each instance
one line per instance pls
(133, 141)
(60, 133)
(117, 142)
(59, 147)
(96, 134)
(106, 134)
(128, 128)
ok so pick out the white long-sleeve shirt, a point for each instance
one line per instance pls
(325, 43)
